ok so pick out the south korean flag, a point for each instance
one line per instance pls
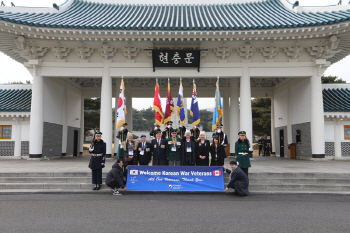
(134, 172)
(217, 173)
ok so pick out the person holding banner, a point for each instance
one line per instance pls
(242, 151)
(181, 131)
(174, 149)
(144, 151)
(97, 160)
(202, 150)
(130, 151)
(238, 180)
(217, 152)
(167, 130)
(159, 150)
(121, 135)
(188, 150)
(114, 178)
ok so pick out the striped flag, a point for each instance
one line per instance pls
(218, 112)
(180, 105)
(194, 106)
(169, 109)
(157, 105)
(121, 110)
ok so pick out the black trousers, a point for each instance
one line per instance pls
(260, 149)
(96, 176)
(158, 162)
(245, 170)
(143, 162)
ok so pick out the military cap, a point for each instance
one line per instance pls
(169, 123)
(125, 124)
(243, 133)
(158, 131)
(173, 131)
(143, 136)
(98, 133)
(220, 125)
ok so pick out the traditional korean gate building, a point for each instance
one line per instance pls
(258, 49)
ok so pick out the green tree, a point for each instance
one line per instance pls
(261, 113)
(332, 79)
(206, 119)
(91, 113)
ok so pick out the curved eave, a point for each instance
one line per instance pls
(267, 14)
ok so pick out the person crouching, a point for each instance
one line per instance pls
(114, 178)
(238, 180)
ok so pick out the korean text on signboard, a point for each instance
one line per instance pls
(176, 58)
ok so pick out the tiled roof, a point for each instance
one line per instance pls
(336, 100)
(243, 16)
(15, 100)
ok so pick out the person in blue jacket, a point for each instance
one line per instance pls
(97, 161)
(238, 180)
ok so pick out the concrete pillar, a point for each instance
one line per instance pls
(36, 116)
(128, 117)
(289, 118)
(82, 127)
(246, 121)
(234, 114)
(317, 117)
(337, 138)
(64, 122)
(106, 110)
(18, 140)
(226, 116)
(273, 140)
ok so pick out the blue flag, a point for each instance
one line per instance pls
(194, 107)
(218, 112)
(180, 106)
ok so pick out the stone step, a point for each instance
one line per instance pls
(46, 179)
(298, 181)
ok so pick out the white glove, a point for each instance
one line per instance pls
(121, 128)
(91, 150)
(250, 149)
(155, 128)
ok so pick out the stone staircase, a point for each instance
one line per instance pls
(260, 183)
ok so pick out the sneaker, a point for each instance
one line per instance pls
(117, 193)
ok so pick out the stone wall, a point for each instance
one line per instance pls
(52, 141)
(277, 140)
(329, 148)
(303, 148)
(345, 149)
(7, 148)
(25, 148)
(70, 140)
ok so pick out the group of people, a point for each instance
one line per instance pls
(265, 146)
(171, 147)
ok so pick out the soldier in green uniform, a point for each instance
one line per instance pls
(242, 151)
(173, 149)
(121, 135)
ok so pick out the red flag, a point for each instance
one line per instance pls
(157, 105)
(169, 109)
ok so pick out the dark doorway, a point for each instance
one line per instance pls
(75, 148)
(281, 143)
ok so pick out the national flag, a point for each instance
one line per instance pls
(194, 107)
(157, 105)
(134, 172)
(180, 105)
(216, 173)
(121, 110)
(169, 109)
(218, 112)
